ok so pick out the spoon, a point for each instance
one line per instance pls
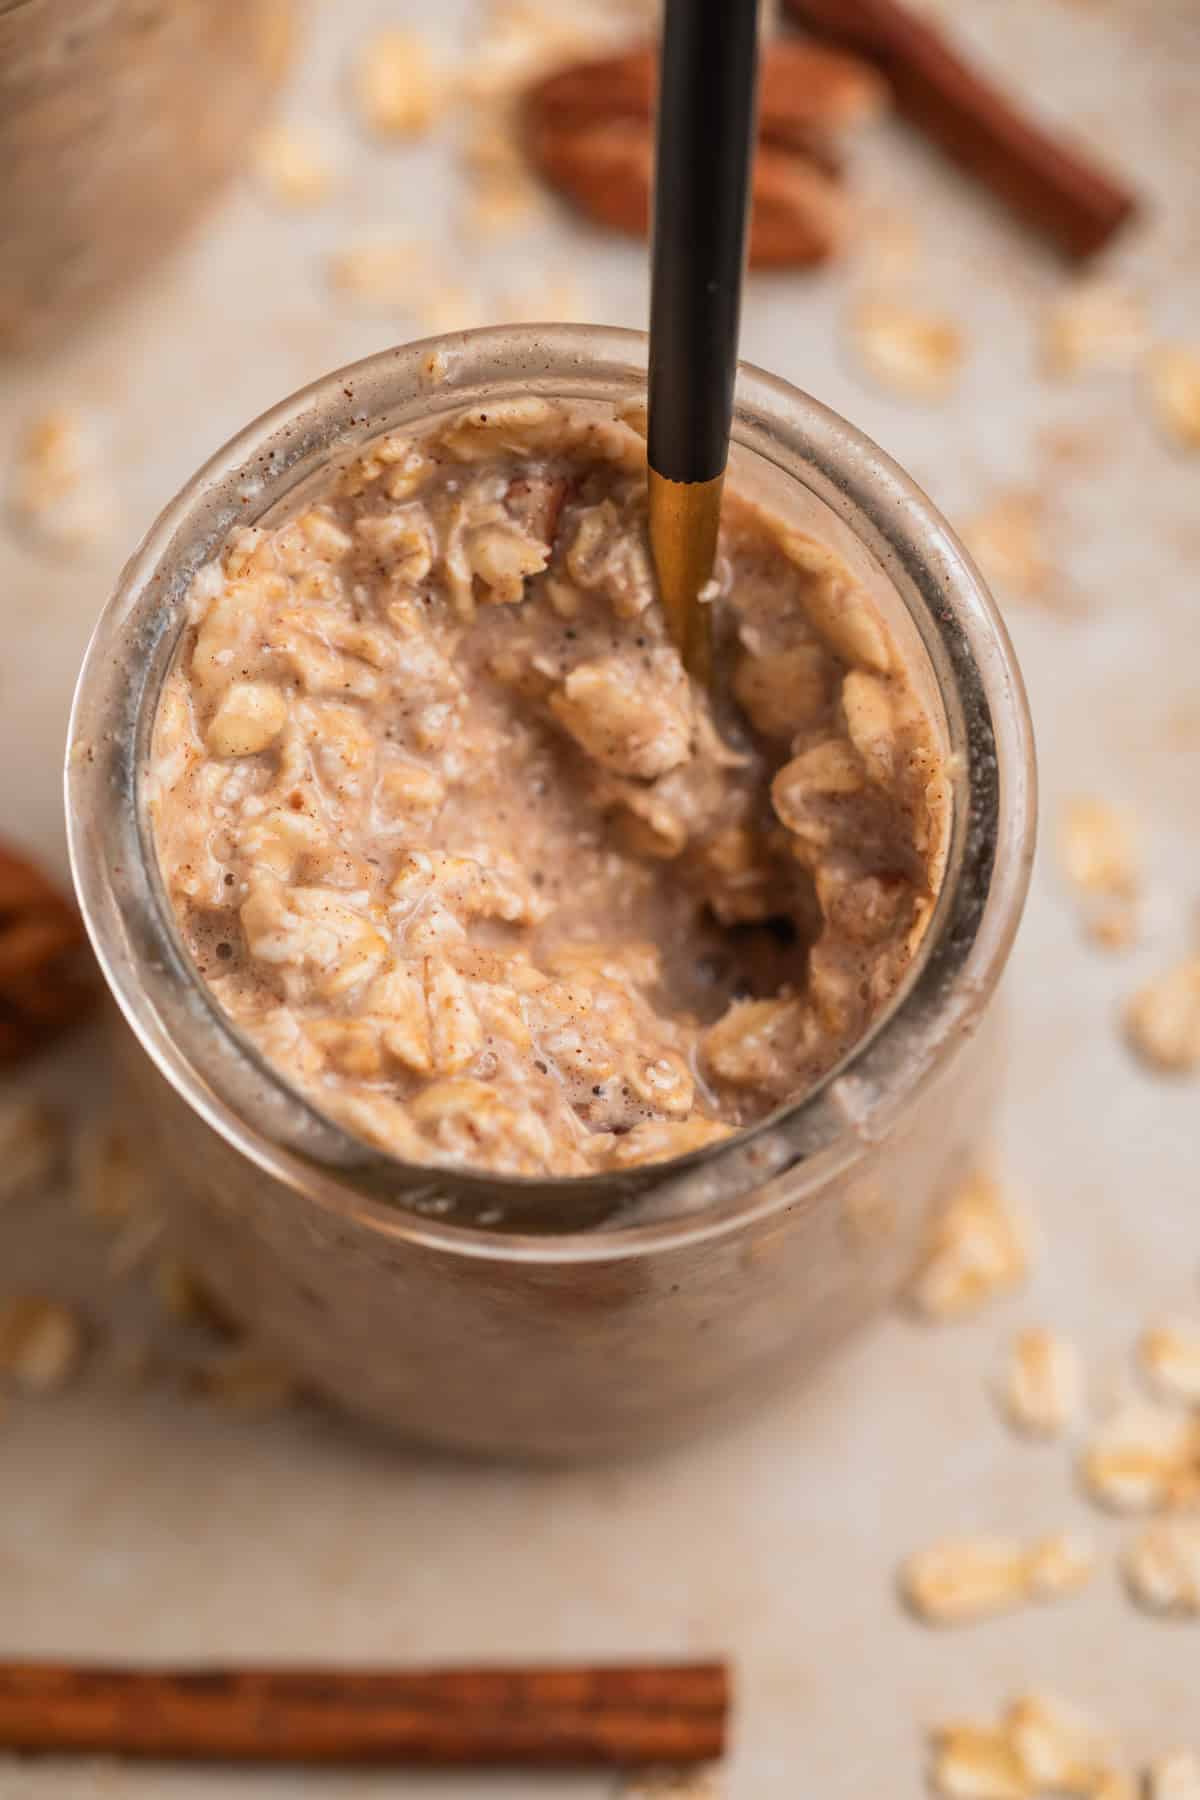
(703, 159)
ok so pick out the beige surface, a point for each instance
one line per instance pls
(137, 1525)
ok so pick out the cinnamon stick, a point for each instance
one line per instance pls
(1046, 183)
(449, 1718)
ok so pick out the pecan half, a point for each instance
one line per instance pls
(590, 132)
(44, 985)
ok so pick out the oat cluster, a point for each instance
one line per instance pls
(1140, 1458)
(1040, 1746)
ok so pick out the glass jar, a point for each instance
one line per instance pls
(609, 1313)
(119, 119)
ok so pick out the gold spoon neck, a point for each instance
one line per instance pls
(684, 520)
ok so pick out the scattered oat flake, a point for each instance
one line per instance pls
(41, 1343)
(399, 91)
(1173, 383)
(976, 1762)
(1111, 924)
(383, 277)
(1175, 1776)
(1042, 1383)
(1006, 541)
(1041, 1747)
(492, 145)
(1093, 326)
(1144, 1458)
(112, 1185)
(1096, 847)
(182, 1295)
(558, 301)
(1061, 1748)
(1162, 1021)
(246, 1379)
(449, 308)
(909, 351)
(502, 192)
(890, 243)
(521, 39)
(32, 1148)
(1059, 1565)
(1162, 1567)
(979, 1247)
(60, 493)
(1170, 1355)
(497, 205)
(964, 1579)
(292, 167)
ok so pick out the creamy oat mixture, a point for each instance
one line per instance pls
(455, 842)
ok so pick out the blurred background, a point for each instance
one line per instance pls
(380, 190)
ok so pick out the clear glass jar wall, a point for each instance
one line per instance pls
(608, 1314)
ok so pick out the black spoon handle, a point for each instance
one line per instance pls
(705, 144)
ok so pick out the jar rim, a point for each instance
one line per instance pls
(164, 999)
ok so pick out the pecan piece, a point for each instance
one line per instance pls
(589, 130)
(807, 95)
(43, 986)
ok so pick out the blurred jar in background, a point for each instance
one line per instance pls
(119, 121)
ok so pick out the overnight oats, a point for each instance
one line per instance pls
(456, 844)
(540, 1056)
